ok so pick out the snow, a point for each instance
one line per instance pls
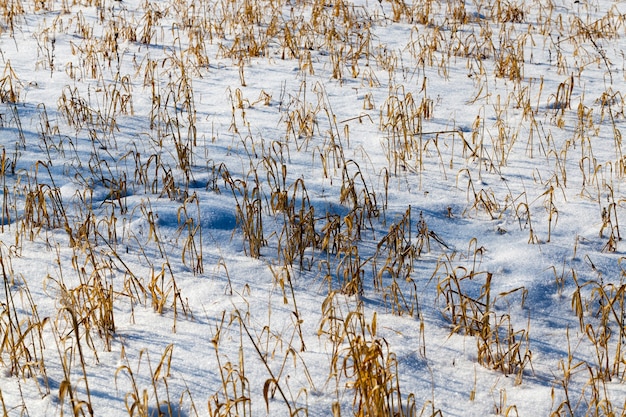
(139, 173)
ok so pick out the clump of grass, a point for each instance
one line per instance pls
(249, 212)
(233, 399)
(11, 12)
(10, 85)
(398, 253)
(363, 362)
(190, 224)
(145, 402)
(474, 313)
(22, 344)
(402, 119)
(601, 317)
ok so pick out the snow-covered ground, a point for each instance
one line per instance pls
(257, 207)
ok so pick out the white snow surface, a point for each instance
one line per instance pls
(510, 179)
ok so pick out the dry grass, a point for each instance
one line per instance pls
(354, 248)
(363, 362)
